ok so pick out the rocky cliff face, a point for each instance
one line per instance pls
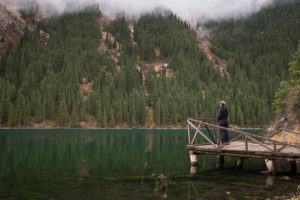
(285, 123)
(11, 26)
(287, 101)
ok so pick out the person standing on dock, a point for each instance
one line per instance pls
(222, 119)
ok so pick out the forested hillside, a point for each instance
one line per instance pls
(258, 49)
(72, 72)
(287, 98)
(40, 83)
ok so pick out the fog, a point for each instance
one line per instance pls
(186, 9)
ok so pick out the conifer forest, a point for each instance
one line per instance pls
(74, 70)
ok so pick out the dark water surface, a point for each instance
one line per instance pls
(119, 164)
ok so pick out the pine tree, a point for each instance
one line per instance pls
(20, 108)
(26, 114)
(74, 119)
(6, 105)
(40, 111)
(157, 114)
(62, 113)
(295, 67)
(12, 116)
(98, 113)
(240, 116)
(112, 118)
(143, 115)
(1, 112)
(104, 118)
(115, 44)
(119, 113)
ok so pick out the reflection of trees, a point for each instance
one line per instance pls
(162, 184)
(85, 156)
(149, 139)
(105, 154)
(83, 170)
(148, 151)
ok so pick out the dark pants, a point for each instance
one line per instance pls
(224, 133)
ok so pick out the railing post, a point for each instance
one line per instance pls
(246, 143)
(274, 145)
(215, 135)
(189, 133)
(283, 136)
(218, 138)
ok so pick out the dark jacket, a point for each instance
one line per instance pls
(222, 116)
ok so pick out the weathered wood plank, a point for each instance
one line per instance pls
(195, 134)
(283, 147)
(290, 134)
(246, 143)
(218, 139)
(203, 135)
(189, 134)
(210, 134)
(250, 147)
(240, 132)
(208, 149)
(230, 141)
(258, 142)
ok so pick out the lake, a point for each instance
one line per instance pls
(126, 164)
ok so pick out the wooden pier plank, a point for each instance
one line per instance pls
(237, 148)
(242, 145)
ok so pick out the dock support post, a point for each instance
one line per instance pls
(240, 163)
(193, 158)
(293, 166)
(194, 170)
(270, 166)
(220, 162)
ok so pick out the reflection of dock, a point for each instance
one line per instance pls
(243, 145)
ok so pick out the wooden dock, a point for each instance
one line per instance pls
(243, 145)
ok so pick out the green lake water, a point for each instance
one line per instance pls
(125, 164)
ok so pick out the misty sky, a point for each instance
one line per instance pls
(187, 9)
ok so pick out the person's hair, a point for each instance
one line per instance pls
(222, 103)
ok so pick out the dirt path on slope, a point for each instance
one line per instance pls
(205, 45)
(114, 53)
(144, 71)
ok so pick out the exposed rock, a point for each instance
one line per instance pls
(11, 28)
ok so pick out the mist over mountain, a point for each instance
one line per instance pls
(187, 10)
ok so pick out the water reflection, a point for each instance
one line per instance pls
(123, 165)
(194, 170)
(270, 181)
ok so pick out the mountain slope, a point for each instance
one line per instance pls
(43, 82)
(258, 49)
(287, 100)
(79, 77)
(11, 26)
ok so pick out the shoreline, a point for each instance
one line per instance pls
(118, 128)
(51, 125)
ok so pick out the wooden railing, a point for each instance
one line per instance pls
(213, 137)
(293, 134)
